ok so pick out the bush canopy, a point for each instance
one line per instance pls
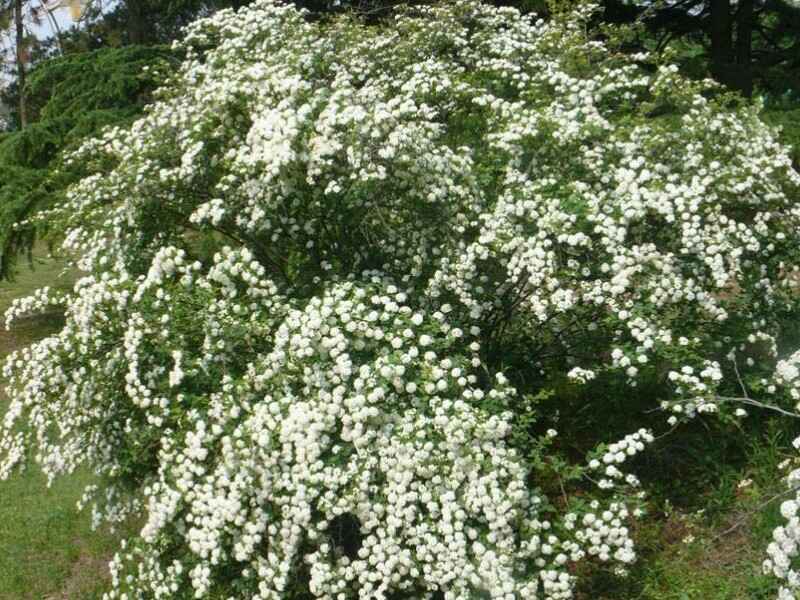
(341, 284)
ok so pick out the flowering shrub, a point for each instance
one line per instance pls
(336, 272)
(784, 549)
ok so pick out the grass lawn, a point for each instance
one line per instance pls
(48, 549)
(709, 553)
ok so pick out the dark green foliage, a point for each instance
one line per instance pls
(35, 146)
(747, 46)
(19, 192)
(146, 21)
(70, 98)
(789, 122)
(112, 78)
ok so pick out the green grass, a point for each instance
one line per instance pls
(711, 548)
(48, 549)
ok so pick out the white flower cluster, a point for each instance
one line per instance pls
(311, 263)
(699, 386)
(616, 454)
(351, 423)
(784, 549)
(606, 534)
(352, 444)
(39, 302)
(787, 373)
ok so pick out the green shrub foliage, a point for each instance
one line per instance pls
(339, 279)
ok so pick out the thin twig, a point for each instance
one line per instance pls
(739, 377)
(757, 404)
(750, 513)
(743, 400)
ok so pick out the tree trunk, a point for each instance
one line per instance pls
(20, 37)
(744, 45)
(137, 21)
(721, 40)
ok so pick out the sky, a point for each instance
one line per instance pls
(43, 30)
(64, 21)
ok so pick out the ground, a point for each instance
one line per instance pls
(49, 550)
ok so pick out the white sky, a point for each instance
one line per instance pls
(59, 11)
(45, 30)
(42, 31)
(63, 18)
